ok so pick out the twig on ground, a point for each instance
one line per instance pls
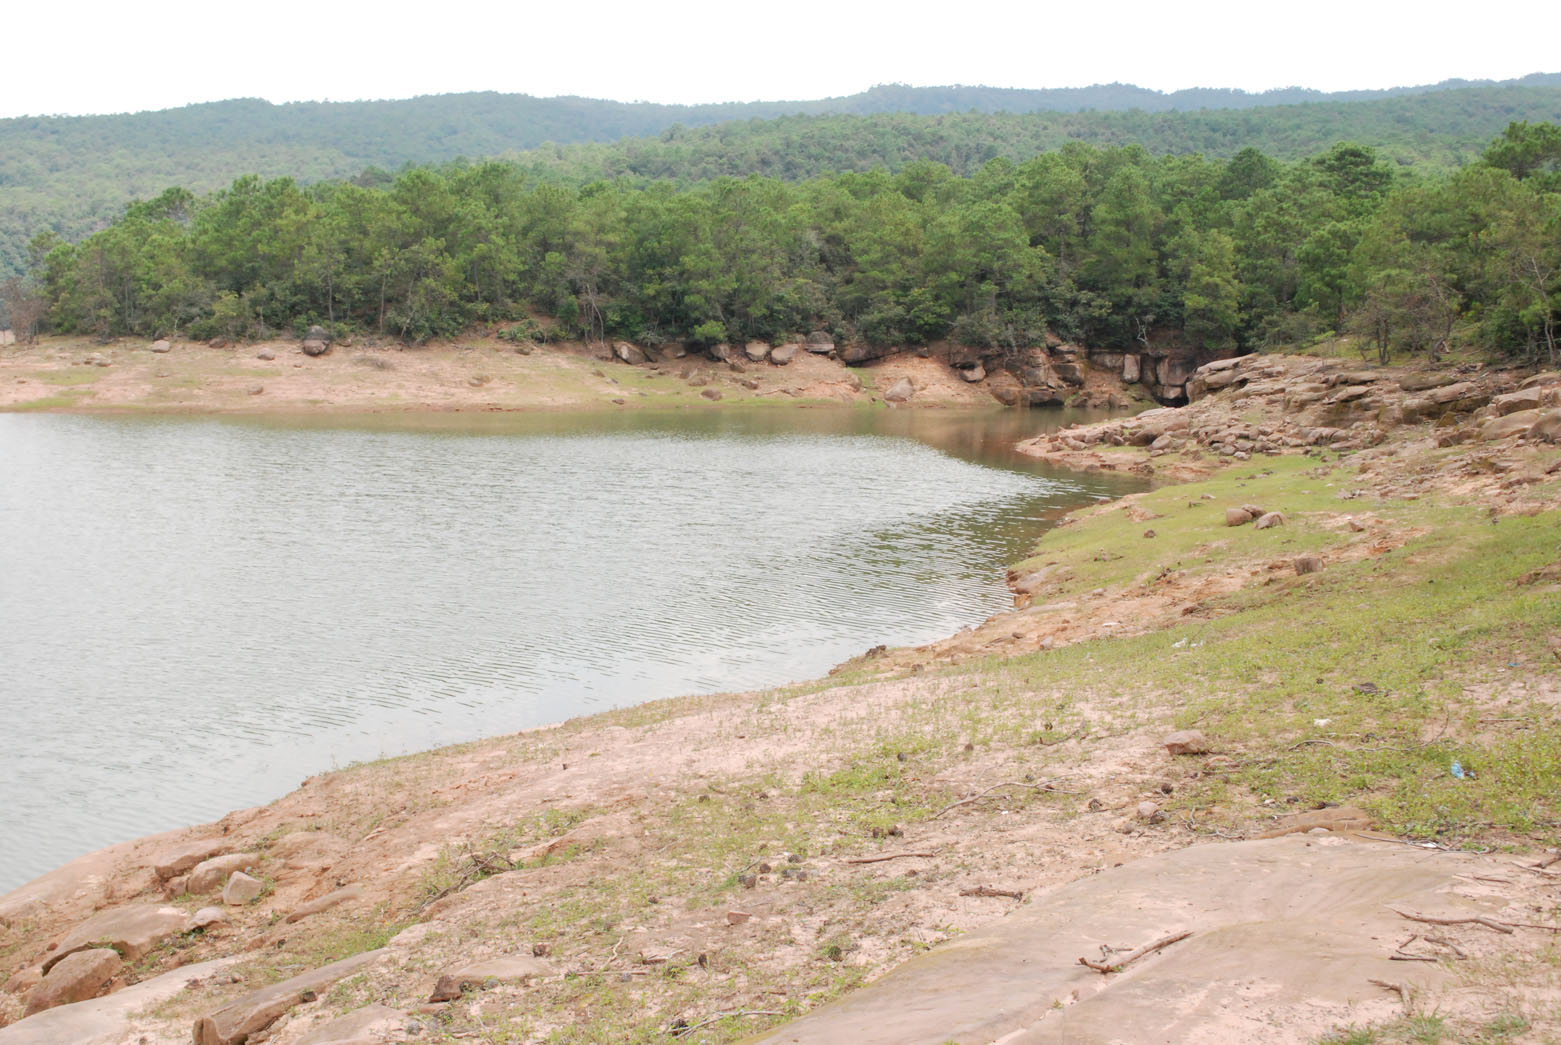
(986, 890)
(1401, 989)
(888, 856)
(1489, 923)
(718, 1017)
(994, 787)
(1133, 956)
(1484, 878)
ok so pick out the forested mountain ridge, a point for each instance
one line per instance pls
(71, 175)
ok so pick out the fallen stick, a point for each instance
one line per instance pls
(718, 1017)
(986, 890)
(1401, 989)
(1104, 967)
(1489, 923)
(1400, 956)
(888, 856)
(994, 787)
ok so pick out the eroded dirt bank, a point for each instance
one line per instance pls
(1377, 669)
(485, 373)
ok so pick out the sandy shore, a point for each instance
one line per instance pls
(480, 374)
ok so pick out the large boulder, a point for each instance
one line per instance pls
(861, 352)
(631, 354)
(973, 374)
(316, 342)
(1547, 427)
(756, 351)
(76, 977)
(900, 392)
(821, 342)
(1513, 402)
(781, 355)
(1509, 425)
(1131, 370)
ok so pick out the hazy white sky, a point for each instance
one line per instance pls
(93, 56)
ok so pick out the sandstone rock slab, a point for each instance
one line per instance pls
(77, 977)
(782, 355)
(505, 970)
(325, 903)
(180, 858)
(235, 1022)
(370, 1025)
(132, 930)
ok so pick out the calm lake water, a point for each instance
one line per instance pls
(196, 614)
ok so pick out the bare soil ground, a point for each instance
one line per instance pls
(62, 374)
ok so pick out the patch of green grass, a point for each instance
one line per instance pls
(85, 375)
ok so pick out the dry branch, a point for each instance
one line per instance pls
(718, 1017)
(994, 787)
(1489, 923)
(1133, 956)
(1402, 989)
(986, 890)
(888, 856)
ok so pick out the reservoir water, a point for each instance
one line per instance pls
(196, 614)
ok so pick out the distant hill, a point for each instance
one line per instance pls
(74, 174)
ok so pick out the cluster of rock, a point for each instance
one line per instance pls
(1305, 402)
(1053, 374)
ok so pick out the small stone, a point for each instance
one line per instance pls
(254, 390)
(1356, 526)
(712, 394)
(160, 346)
(540, 950)
(1237, 516)
(1308, 564)
(1150, 533)
(265, 354)
(24, 980)
(737, 917)
(207, 918)
(1270, 519)
(1146, 810)
(1186, 742)
(242, 889)
(210, 875)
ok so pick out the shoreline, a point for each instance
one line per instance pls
(479, 374)
(631, 833)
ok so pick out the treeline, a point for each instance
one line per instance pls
(1105, 244)
(73, 175)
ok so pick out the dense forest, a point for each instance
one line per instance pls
(73, 175)
(1109, 244)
